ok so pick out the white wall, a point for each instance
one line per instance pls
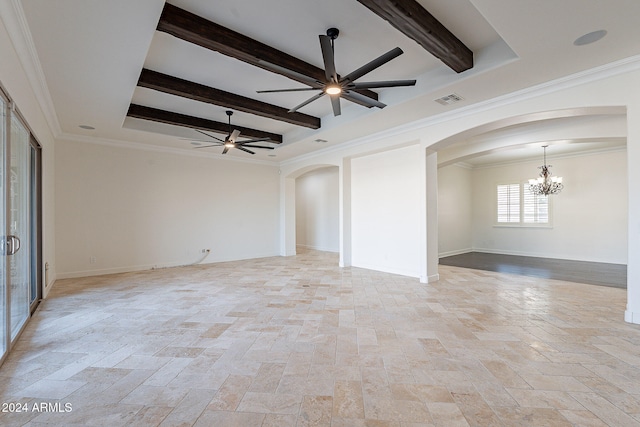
(589, 216)
(317, 213)
(133, 209)
(454, 210)
(385, 209)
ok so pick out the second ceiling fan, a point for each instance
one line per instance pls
(231, 141)
(334, 85)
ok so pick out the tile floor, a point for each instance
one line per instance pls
(298, 341)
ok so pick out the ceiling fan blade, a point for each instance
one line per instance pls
(207, 146)
(254, 146)
(362, 99)
(244, 149)
(335, 104)
(210, 136)
(367, 68)
(389, 83)
(308, 101)
(252, 141)
(234, 135)
(291, 74)
(198, 140)
(329, 59)
(226, 149)
(302, 89)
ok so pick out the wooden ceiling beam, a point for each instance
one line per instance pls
(195, 29)
(414, 21)
(175, 86)
(177, 119)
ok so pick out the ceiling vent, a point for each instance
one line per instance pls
(449, 99)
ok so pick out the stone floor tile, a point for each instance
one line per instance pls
(286, 341)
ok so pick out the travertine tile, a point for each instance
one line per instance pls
(315, 411)
(298, 341)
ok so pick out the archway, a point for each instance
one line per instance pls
(572, 134)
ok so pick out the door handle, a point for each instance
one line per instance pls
(12, 245)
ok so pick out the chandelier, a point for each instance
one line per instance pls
(545, 184)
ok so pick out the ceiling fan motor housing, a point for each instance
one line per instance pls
(333, 33)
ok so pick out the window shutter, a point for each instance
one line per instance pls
(535, 208)
(509, 203)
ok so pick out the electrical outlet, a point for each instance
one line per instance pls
(92, 260)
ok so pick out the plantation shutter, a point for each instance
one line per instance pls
(509, 203)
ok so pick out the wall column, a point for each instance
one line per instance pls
(632, 314)
(288, 217)
(429, 218)
(345, 212)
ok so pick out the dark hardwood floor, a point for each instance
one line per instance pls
(593, 273)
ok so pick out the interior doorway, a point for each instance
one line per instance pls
(317, 210)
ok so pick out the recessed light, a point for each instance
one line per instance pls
(589, 38)
(86, 127)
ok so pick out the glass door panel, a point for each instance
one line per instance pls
(18, 238)
(4, 326)
(35, 226)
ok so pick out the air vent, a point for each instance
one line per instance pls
(449, 99)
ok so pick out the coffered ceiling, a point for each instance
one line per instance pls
(108, 64)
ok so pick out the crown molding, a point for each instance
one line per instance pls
(587, 76)
(150, 147)
(592, 152)
(15, 22)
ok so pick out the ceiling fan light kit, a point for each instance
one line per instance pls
(339, 87)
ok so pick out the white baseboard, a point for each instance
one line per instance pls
(147, 267)
(319, 248)
(384, 269)
(456, 252)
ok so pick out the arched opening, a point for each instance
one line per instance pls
(587, 146)
(317, 210)
(317, 186)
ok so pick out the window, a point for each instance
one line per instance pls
(509, 203)
(517, 205)
(535, 209)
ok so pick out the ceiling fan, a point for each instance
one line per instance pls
(231, 140)
(334, 85)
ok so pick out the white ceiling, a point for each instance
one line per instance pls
(91, 54)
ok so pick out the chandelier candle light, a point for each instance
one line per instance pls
(545, 184)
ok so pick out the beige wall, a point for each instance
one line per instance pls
(123, 209)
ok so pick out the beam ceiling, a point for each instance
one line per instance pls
(171, 118)
(195, 29)
(176, 86)
(410, 18)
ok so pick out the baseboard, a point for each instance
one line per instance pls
(632, 317)
(456, 252)
(539, 255)
(389, 270)
(147, 267)
(430, 279)
(319, 248)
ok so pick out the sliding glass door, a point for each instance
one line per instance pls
(18, 227)
(4, 292)
(20, 267)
